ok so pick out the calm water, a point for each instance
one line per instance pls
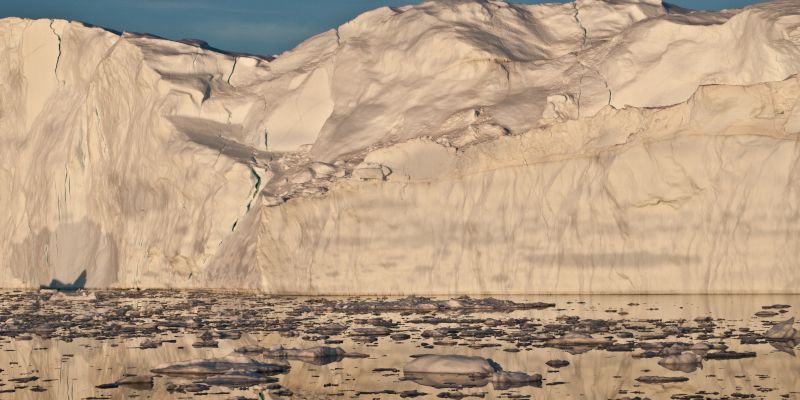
(72, 344)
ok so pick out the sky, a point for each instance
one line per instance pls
(251, 26)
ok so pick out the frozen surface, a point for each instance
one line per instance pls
(449, 147)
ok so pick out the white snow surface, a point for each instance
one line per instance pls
(450, 147)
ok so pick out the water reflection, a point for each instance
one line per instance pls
(58, 347)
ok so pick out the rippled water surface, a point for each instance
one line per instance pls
(63, 346)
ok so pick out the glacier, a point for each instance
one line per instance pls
(451, 147)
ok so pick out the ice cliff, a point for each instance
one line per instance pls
(450, 147)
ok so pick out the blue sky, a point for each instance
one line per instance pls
(252, 26)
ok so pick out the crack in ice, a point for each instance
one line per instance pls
(580, 23)
(233, 69)
(58, 58)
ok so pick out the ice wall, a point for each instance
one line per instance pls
(449, 147)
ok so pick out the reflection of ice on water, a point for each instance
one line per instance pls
(73, 369)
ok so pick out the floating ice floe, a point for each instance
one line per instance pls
(313, 355)
(453, 371)
(686, 361)
(215, 366)
(783, 331)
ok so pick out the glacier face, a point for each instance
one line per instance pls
(451, 147)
